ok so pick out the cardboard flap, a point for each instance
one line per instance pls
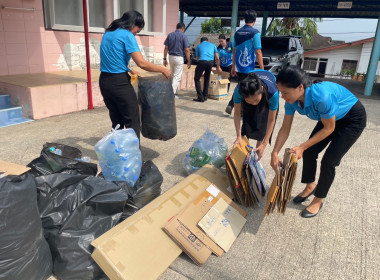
(224, 81)
(7, 168)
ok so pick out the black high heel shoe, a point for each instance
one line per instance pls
(308, 214)
(300, 199)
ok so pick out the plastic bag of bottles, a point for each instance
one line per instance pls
(119, 155)
(158, 117)
(210, 148)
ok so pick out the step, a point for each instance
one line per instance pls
(12, 116)
(5, 101)
(14, 121)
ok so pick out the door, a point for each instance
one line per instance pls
(322, 67)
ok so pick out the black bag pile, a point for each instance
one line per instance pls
(24, 253)
(158, 117)
(75, 210)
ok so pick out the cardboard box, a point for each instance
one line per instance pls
(7, 168)
(195, 240)
(217, 87)
(138, 248)
(222, 223)
(189, 242)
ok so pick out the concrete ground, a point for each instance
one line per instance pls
(342, 242)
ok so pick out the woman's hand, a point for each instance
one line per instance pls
(238, 142)
(134, 72)
(298, 150)
(260, 150)
(233, 72)
(275, 161)
(166, 72)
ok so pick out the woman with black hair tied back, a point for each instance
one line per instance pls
(258, 96)
(118, 46)
(341, 120)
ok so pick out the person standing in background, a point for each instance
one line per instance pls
(177, 45)
(247, 49)
(206, 54)
(118, 46)
(225, 55)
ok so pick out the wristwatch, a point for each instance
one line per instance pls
(164, 58)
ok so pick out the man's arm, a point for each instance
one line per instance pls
(259, 58)
(165, 55)
(233, 72)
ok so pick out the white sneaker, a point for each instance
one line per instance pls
(176, 96)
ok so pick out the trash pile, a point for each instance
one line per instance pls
(52, 213)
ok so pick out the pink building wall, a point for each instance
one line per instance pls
(26, 47)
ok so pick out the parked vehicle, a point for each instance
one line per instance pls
(281, 51)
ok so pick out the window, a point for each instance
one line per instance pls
(310, 64)
(349, 65)
(68, 14)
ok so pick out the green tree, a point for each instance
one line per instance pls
(304, 27)
(213, 25)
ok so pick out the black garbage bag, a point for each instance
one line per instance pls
(158, 117)
(50, 163)
(75, 210)
(147, 188)
(24, 253)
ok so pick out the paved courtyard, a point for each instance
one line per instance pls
(342, 242)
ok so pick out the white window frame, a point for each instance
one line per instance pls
(316, 66)
(50, 12)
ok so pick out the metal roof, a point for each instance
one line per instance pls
(297, 8)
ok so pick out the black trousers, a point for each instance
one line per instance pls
(347, 131)
(228, 70)
(120, 99)
(203, 66)
(240, 76)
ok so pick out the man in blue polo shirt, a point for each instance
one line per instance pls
(247, 49)
(206, 53)
(177, 45)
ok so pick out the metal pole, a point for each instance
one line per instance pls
(264, 27)
(88, 65)
(191, 21)
(373, 62)
(181, 16)
(234, 18)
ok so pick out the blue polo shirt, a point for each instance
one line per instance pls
(270, 80)
(205, 51)
(225, 55)
(115, 50)
(247, 41)
(323, 101)
(176, 43)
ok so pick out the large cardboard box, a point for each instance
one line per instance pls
(138, 248)
(7, 168)
(217, 87)
(184, 231)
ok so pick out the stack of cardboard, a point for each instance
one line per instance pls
(138, 248)
(280, 191)
(246, 175)
(219, 217)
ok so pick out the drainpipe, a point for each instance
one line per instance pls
(88, 65)
(373, 62)
(264, 27)
(234, 18)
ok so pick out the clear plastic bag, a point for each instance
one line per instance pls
(120, 156)
(210, 148)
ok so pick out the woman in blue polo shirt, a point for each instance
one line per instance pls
(258, 95)
(118, 46)
(225, 55)
(341, 120)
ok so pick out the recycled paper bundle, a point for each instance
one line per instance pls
(280, 191)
